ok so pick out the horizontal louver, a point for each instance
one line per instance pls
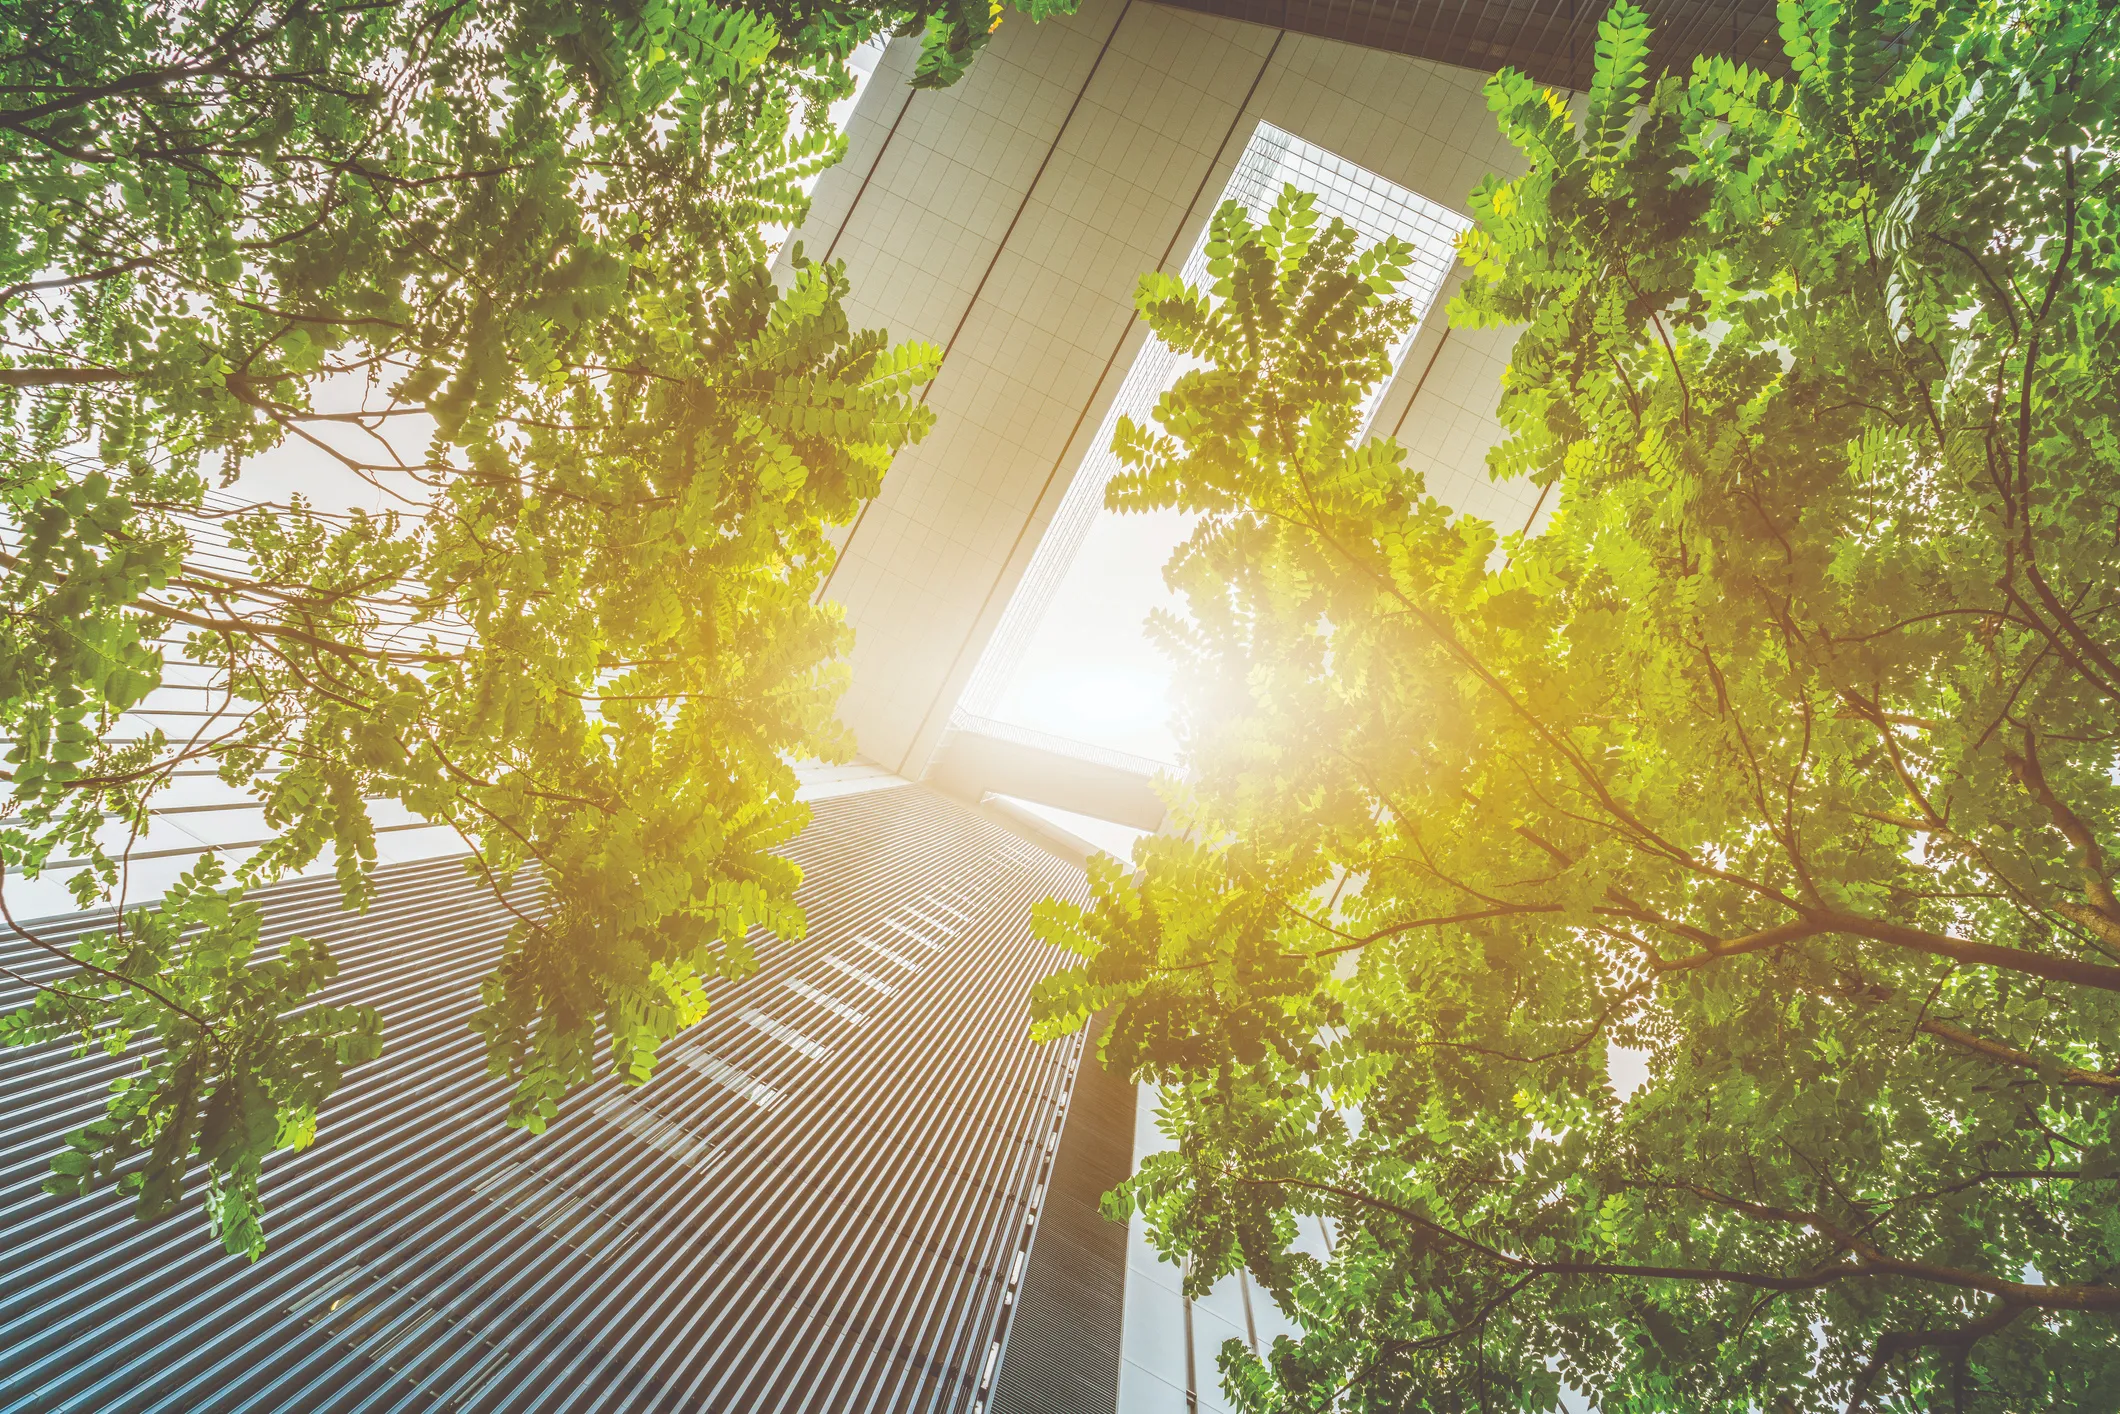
(817, 1204)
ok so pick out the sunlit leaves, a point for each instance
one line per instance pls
(1783, 762)
(527, 242)
(240, 1066)
(1617, 75)
(956, 30)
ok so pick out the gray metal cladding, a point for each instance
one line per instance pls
(817, 1204)
(1064, 1342)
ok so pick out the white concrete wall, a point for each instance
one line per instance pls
(1009, 219)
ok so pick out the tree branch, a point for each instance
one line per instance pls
(1768, 1281)
(2010, 1055)
(1897, 1343)
(213, 1032)
(2054, 969)
(66, 377)
(2090, 860)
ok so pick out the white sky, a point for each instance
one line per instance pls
(1088, 671)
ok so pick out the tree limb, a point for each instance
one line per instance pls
(66, 377)
(2054, 969)
(2010, 1055)
(1899, 1342)
(2090, 857)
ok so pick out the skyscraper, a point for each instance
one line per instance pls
(857, 1184)
(825, 1198)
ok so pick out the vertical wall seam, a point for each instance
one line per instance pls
(986, 603)
(870, 175)
(1415, 395)
(980, 288)
(1236, 122)
(844, 222)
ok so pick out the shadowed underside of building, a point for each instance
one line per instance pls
(822, 1201)
(1554, 41)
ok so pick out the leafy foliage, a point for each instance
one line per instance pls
(1785, 758)
(953, 35)
(502, 269)
(236, 1076)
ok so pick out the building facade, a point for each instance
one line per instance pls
(1007, 219)
(824, 1200)
(857, 1185)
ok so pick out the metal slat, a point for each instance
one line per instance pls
(849, 1246)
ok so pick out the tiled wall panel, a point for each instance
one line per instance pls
(1009, 219)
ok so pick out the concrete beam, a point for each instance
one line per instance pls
(972, 763)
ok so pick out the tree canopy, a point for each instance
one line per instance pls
(1785, 757)
(505, 263)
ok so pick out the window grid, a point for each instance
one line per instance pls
(1375, 206)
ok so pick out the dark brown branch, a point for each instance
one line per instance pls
(213, 1032)
(18, 118)
(1363, 940)
(1767, 1281)
(66, 377)
(2056, 1296)
(1714, 950)
(59, 282)
(2090, 862)
(259, 629)
(2010, 1055)
(2054, 969)
(1897, 1343)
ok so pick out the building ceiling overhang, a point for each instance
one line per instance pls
(1554, 41)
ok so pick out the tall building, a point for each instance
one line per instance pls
(856, 1184)
(1008, 220)
(824, 1200)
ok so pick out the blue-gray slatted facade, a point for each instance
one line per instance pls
(818, 1203)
